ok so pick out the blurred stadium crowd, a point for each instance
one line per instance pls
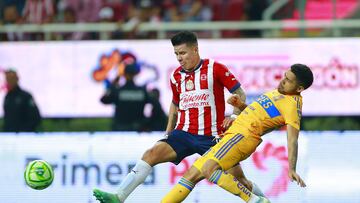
(129, 12)
(133, 12)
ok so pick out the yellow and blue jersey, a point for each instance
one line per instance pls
(270, 111)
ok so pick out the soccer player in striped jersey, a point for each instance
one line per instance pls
(196, 116)
(273, 109)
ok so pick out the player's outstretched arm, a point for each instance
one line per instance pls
(292, 141)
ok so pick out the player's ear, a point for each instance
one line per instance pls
(300, 89)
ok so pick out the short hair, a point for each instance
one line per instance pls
(304, 75)
(186, 37)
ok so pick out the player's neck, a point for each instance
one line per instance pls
(198, 64)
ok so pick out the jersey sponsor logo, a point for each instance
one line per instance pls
(268, 106)
(194, 99)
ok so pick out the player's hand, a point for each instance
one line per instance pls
(235, 101)
(227, 122)
(295, 177)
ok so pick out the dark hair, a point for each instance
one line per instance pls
(184, 37)
(304, 75)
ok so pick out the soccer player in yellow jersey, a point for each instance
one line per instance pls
(271, 110)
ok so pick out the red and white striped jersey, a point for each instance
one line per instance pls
(200, 97)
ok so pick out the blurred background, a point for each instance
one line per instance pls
(60, 58)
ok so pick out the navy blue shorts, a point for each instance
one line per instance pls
(186, 144)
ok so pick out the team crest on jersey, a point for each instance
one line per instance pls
(189, 85)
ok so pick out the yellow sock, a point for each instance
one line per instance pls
(179, 192)
(229, 183)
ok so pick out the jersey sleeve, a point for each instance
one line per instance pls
(175, 93)
(292, 114)
(225, 77)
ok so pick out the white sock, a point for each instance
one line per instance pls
(256, 190)
(136, 177)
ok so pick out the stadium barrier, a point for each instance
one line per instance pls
(327, 162)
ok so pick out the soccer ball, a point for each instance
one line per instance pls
(39, 174)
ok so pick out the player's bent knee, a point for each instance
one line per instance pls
(151, 156)
(209, 168)
(193, 175)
